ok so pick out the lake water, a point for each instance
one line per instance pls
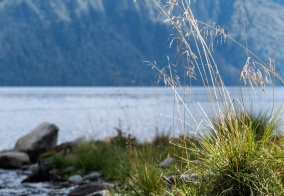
(95, 112)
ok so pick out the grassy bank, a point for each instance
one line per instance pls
(121, 159)
(243, 157)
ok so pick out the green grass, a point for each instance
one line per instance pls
(122, 160)
(111, 160)
(243, 158)
(258, 123)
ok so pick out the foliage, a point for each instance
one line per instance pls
(121, 159)
(145, 178)
(147, 181)
(111, 160)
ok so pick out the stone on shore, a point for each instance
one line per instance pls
(41, 139)
(46, 170)
(100, 193)
(13, 160)
(178, 180)
(88, 189)
(75, 178)
(92, 176)
(76, 143)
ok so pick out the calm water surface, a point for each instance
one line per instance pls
(95, 112)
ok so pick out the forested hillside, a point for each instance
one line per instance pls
(104, 42)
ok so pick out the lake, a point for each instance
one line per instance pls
(96, 112)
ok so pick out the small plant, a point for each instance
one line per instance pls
(122, 140)
(146, 180)
(161, 139)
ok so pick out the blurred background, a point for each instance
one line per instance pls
(104, 42)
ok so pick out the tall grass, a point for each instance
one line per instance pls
(243, 158)
(240, 152)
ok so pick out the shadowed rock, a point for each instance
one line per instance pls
(13, 160)
(178, 180)
(38, 141)
(88, 189)
(46, 170)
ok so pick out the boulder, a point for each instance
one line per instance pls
(89, 189)
(41, 139)
(178, 180)
(75, 178)
(13, 160)
(93, 176)
(45, 170)
(100, 193)
(74, 144)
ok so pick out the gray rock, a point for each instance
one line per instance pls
(81, 140)
(193, 177)
(28, 169)
(93, 176)
(181, 179)
(69, 169)
(46, 170)
(87, 189)
(39, 140)
(75, 179)
(166, 163)
(73, 144)
(100, 193)
(13, 160)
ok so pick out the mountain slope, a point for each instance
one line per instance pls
(104, 42)
(70, 43)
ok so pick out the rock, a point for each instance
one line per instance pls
(80, 141)
(193, 177)
(73, 144)
(37, 176)
(13, 160)
(171, 181)
(88, 189)
(181, 179)
(75, 179)
(100, 193)
(46, 171)
(166, 163)
(69, 169)
(28, 169)
(93, 176)
(39, 140)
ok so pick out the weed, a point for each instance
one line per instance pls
(146, 180)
